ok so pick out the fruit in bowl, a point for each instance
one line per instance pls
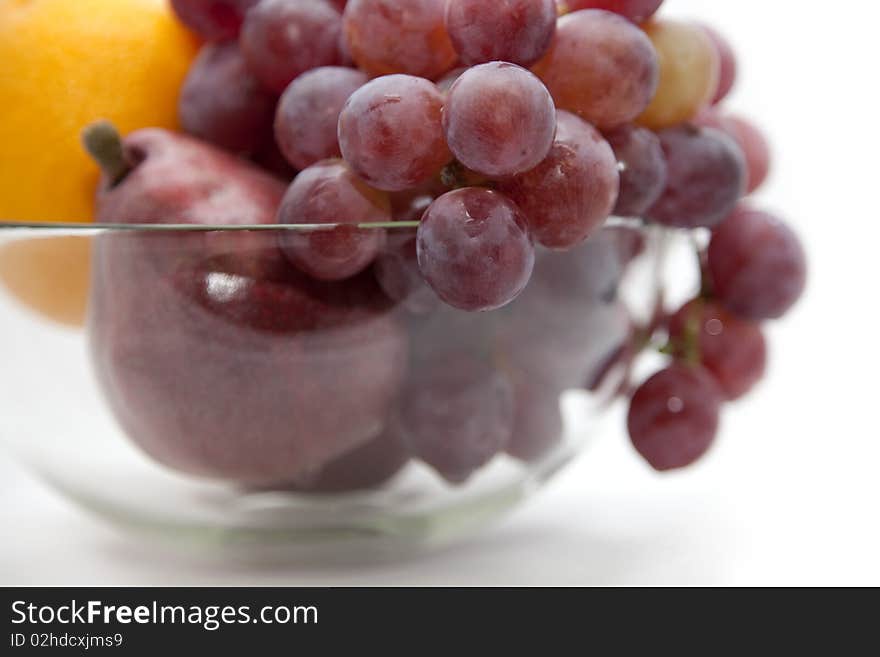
(514, 169)
(270, 345)
(391, 250)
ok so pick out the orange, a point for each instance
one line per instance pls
(61, 282)
(64, 64)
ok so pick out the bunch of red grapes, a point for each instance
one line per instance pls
(501, 136)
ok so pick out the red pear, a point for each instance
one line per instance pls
(217, 357)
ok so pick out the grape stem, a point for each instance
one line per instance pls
(456, 176)
(690, 349)
(687, 347)
(104, 144)
(645, 337)
(702, 254)
(453, 175)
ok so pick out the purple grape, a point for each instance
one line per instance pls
(591, 272)
(307, 117)
(390, 132)
(223, 103)
(438, 336)
(566, 322)
(567, 348)
(329, 193)
(537, 421)
(572, 191)
(474, 249)
(499, 119)
(674, 416)
(757, 265)
(756, 149)
(749, 138)
(637, 11)
(213, 20)
(727, 57)
(397, 271)
(399, 36)
(706, 177)
(282, 39)
(457, 415)
(732, 350)
(643, 170)
(516, 31)
(601, 67)
(364, 468)
(272, 160)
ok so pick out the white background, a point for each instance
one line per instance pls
(791, 494)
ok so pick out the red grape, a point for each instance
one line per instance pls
(270, 158)
(567, 348)
(457, 414)
(707, 177)
(474, 249)
(674, 416)
(562, 327)
(282, 39)
(214, 20)
(755, 148)
(397, 271)
(516, 31)
(223, 103)
(601, 67)
(727, 56)
(366, 467)
(399, 36)
(499, 119)
(563, 343)
(572, 192)
(732, 350)
(757, 264)
(307, 117)
(643, 171)
(537, 420)
(439, 336)
(391, 134)
(591, 272)
(751, 140)
(329, 193)
(637, 11)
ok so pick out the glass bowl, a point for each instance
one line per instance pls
(216, 395)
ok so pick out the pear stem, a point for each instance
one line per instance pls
(104, 143)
